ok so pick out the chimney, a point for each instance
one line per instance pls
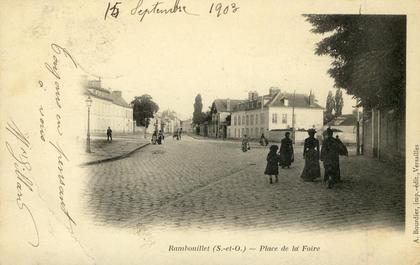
(311, 98)
(273, 91)
(228, 105)
(117, 93)
(252, 95)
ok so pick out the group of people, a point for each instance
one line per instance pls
(157, 137)
(329, 155)
(178, 134)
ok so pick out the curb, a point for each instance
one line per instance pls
(115, 157)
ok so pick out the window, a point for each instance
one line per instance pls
(274, 118)
(256, 119)
(262, 118)
(235, 120)
(284, 119)
(252, 132)
(243, 120)
(247, 119)
(239, 120)
(252, 119)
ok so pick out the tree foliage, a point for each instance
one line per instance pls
(339, 103)
(329, 108)
(144, 109)
(198, 108)
(368, 54)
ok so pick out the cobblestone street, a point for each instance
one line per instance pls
(208, 184)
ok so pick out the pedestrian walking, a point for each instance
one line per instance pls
(330, 157)
(159, 137)
(312, 169)
(180, 133)
(154, 137)
(263, 140)
(109, 134)
(286, 151)
(272, 168)
(245, 143)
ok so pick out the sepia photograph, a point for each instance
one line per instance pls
(184, 132)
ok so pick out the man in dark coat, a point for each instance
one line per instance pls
(330, 156)
(286, 151)
(109, 134)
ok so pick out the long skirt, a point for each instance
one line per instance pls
(312, 169)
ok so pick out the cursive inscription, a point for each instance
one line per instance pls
(157, 8)
(53, 67)
(61, 158)
(20, 155)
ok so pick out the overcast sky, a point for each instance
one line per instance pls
(176, 57)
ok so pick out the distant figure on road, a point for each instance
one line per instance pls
(272, 167)
(312, 169)
(154, 137)
(331, 149)
(109, 134)
(286, 151)
(245, 143)
(180, 133)
(263, 140)
(160, 137)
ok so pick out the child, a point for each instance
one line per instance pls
(272, 163)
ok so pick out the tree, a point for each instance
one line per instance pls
(198, 110)
(368, 55)
(329, 107)
(339, 103)
(144, 109)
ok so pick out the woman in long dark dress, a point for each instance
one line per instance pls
(312, 169)
(286, 151)
(272, 167)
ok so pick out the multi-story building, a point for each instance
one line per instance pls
(275, 111)
(108, 109)
(220, 111)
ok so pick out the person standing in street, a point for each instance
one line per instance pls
(312, 169)
(272, 168)
(286, 151)
(109, 134)
(330, 157)
(263, 140)
(180, 133)
(160, 137)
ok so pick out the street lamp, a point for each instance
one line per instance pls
(88, 104)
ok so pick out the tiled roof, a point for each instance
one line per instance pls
(106, 94)
(221, 104)
(296, 100)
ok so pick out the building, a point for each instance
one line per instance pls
(220, 112)
(345, 126)
(108, 109)
(276, 111)
(187, 126)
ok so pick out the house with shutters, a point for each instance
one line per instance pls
(277, 111)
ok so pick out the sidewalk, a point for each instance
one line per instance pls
(121, 146)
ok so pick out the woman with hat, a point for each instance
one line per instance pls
(312, 169)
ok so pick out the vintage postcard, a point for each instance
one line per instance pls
(209, 132)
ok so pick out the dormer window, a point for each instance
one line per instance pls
(286, 102)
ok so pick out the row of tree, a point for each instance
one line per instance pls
(333, 106)
(368, 54)
(199, 116)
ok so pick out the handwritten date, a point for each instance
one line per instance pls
(220, 9)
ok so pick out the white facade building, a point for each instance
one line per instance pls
(274, 111)
(108, 109)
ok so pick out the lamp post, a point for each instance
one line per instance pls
(88, 104)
